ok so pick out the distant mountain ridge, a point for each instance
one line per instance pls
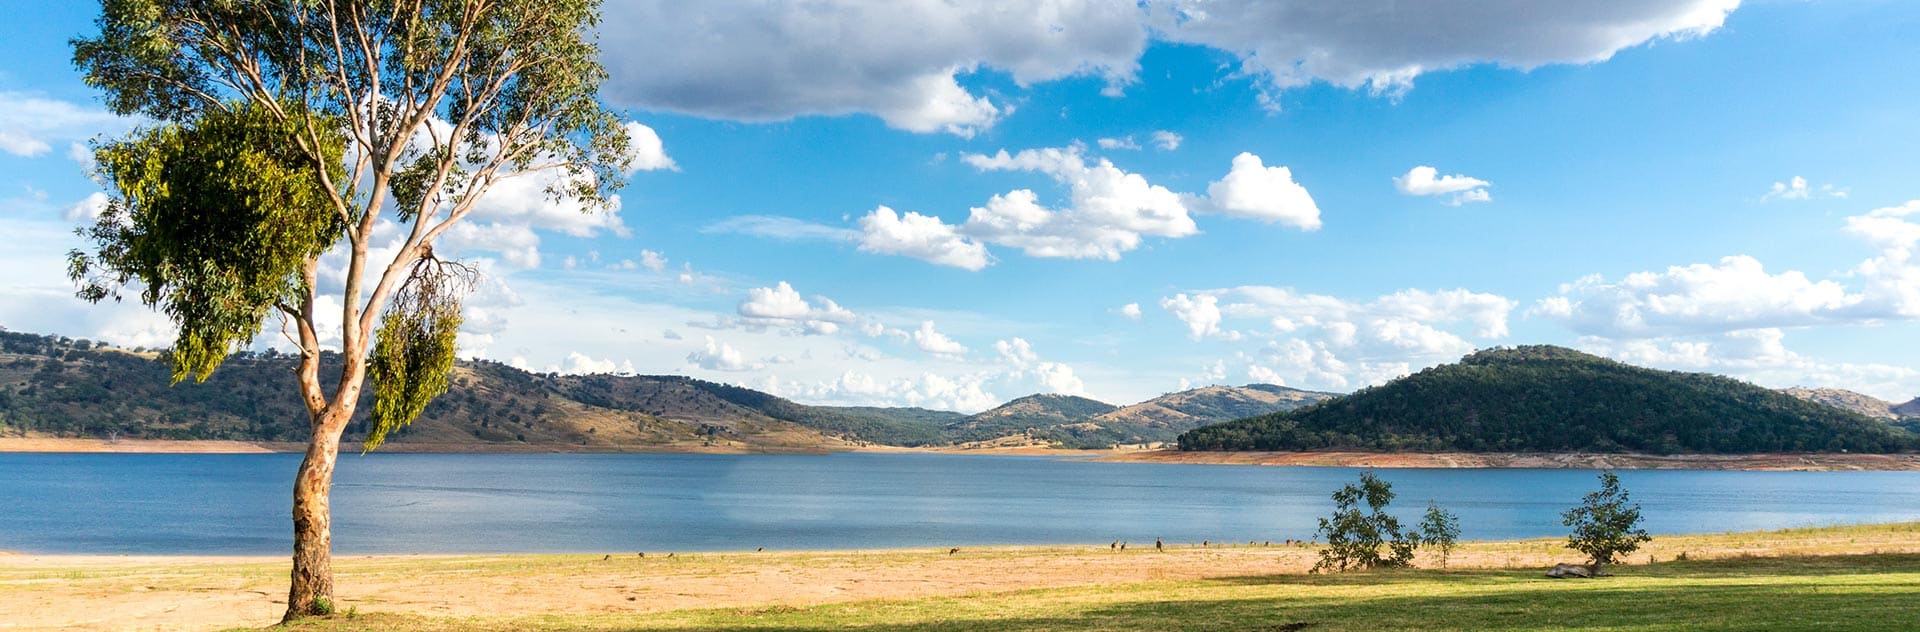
(55, 386)
(1551, 399)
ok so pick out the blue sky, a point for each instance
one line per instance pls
(1623, 180)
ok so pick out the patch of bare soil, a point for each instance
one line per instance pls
(1757, 462)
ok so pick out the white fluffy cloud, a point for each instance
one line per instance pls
(1736, 293)
(1731, 317)
(1739, 293)
(1797, 188)
(1110, 210)
(720, 356)
(506, 216)
(88, 209)
(1383, 45)
(1255, 191)
(1318, 341)
(1131, 311)
(919, 236)
(905, 61)
(902, 61)
(646, 149)
(782, 306)
(1201, 313)
(582, 364)
(1760, 356)
(653, 261)
(936, 343)
(1424, 180)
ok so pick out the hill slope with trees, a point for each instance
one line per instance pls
(1552, 399)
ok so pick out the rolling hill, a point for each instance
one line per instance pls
(1552, 399)
(1843, 399)
(58, 387)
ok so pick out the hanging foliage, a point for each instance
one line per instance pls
(413, 354)
(213, 220)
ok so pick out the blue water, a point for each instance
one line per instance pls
(453, 503)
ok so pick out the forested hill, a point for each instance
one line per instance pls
(1552, 399)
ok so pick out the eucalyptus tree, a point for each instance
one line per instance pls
(280, 132)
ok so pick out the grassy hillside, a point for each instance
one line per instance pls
(1843, 399)
(1046, 417)
(61, 387)
(1186, 410)
(1551, 399)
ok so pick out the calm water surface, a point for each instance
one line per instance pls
(451, 503)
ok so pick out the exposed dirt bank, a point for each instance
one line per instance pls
(1758, 462)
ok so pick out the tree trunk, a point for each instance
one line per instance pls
(312, 591)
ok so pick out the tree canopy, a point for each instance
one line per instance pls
(1551, 399)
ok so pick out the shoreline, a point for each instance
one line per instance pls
(1789, 462)
(1774, 462)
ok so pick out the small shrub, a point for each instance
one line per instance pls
(1604, 526)
(1355, 536)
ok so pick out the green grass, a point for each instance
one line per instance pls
(1838, 592)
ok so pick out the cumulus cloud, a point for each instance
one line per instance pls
(1739, 293)
(921, 237)
(1119, 143)
(1131, 311)
(1383, 45)
(653, 261)
(1422, 181)
(1253, 190)
(720, 356)
(898, 61)
(1735, 293)
(88, 209)
(646, 149)
(1760, 356)
(1201, 313)
(1797, 188)
(1319, 341)
(782, 306)
(904, 62)
(1110, 210)
(1017, 352)
(1731, 316)
(582, 364)
(936, 343)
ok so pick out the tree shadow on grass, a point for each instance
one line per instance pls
(1826, 593)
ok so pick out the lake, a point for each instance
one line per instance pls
(473, 503)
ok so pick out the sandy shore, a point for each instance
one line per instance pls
(1755, 462)
(190, 593)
